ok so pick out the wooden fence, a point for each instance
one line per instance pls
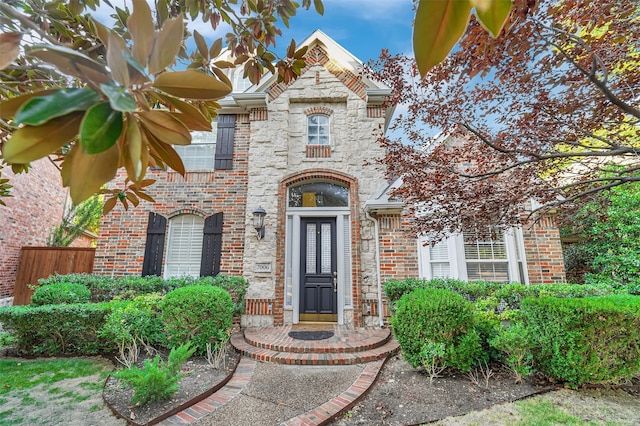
(42, 262)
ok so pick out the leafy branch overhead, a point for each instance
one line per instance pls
(98, 98)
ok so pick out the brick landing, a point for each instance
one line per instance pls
(347, 346)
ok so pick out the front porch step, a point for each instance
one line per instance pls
(278, 340)
(318, 357)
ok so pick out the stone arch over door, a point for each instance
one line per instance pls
(326, 175)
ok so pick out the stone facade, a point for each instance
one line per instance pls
(29, 216)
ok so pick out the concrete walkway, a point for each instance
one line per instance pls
(275, 394)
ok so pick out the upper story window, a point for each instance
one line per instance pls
(239, 82)
(200, 154)
(318, 130)
(318, 194)
(184, 246)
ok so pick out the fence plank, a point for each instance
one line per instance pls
(42, 262)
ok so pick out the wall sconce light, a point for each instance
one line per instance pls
(258, 222)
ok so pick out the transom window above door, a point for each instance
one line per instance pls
(318, 194)
(318, 130)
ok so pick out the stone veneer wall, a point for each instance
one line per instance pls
(278, 151)
(122, 239)
(36, 207)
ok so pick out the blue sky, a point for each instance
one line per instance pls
(363, 27)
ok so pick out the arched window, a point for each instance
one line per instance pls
(239, 82)
(318, 194)
(184, 246)
(318, 130)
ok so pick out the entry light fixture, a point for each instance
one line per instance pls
(258, 222)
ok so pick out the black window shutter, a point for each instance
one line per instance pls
(154, 248)
(211, 246)
(224, 142)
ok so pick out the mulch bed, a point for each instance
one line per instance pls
(199, 381)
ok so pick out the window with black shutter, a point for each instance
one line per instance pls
(224, 142)
(154, 248)
(211, 246)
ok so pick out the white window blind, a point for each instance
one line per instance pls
(200, 155)
(184, 246)
(486, 257)
(439, 260)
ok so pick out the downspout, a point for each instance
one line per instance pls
(379, 284)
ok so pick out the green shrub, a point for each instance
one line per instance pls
(156, 380)
(134, 325)
(434, 316)
(104, 288)
(197, 314)
(516, 345)
(56, 329)
(588, 340)
(54, 294)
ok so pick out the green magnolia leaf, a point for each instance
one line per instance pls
(195, 119)
(40, 109)
(30, 143)
(9, 48)
(119, 97)
(319, 6)
(100, 128)
(191, 84)
(167, 45)
(495, 16)
(142, 30)
(165, 127)
(133, 160)
(116, 61)
(90, 171)
(165, 153)
(71, 62)
(215, 49)
(9, 107)
(438, 27)
(201, 44)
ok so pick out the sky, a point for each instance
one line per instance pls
(363, 27)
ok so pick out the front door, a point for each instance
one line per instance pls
(318, 271)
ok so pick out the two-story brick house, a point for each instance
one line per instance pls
(300, 151)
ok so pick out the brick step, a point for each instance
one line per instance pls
(315, 358)
(356, 341)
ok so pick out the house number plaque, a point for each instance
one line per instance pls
(262, 268)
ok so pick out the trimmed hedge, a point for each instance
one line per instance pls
(104, 288)
(505, 296)
(588, 340)
(55, 294)
(197, 314)
(437, 317)
(56, 329)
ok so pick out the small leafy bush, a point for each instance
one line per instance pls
(434, 316)
(134, 325)
(588, 340)
(56, 329)
(516, 345)
(156, 380)
(197, 314)
(58, 293)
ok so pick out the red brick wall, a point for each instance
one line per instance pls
(36, 207)
(121, 244)
(543, 250)
(398, 249)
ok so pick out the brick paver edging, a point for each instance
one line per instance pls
(240, 379)
(333, 408)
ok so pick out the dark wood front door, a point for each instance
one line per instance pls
(318, 272)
